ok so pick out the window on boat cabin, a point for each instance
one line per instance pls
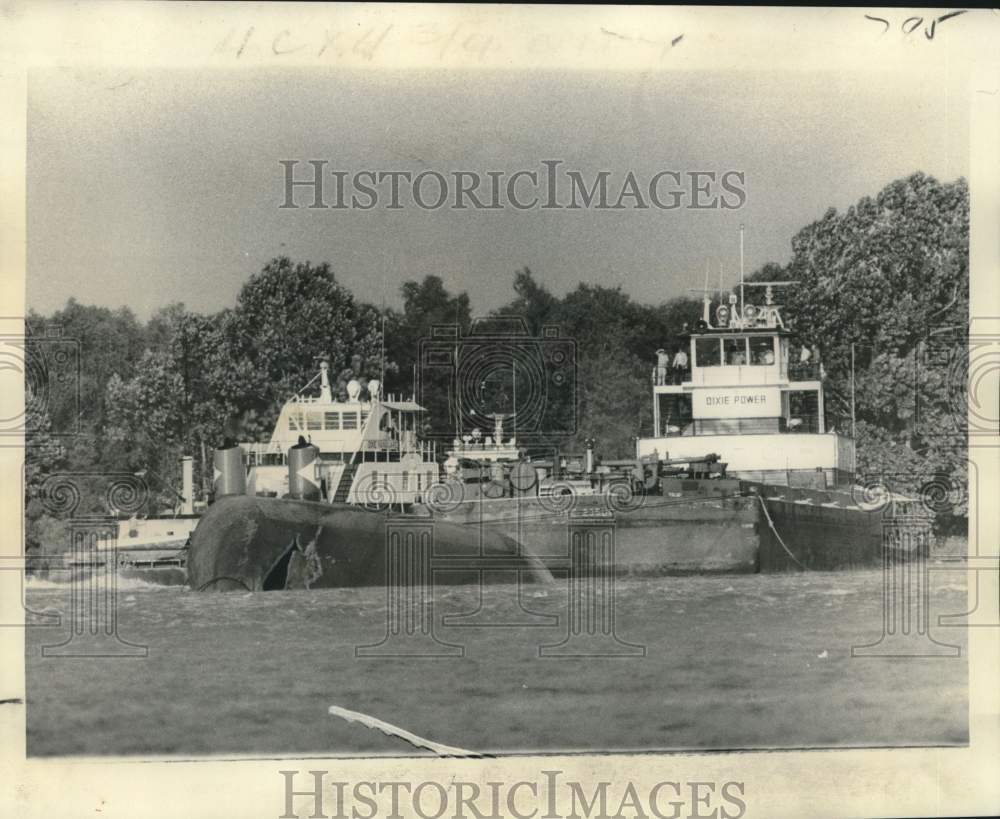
(406, 480)
(364, 417)
(418, 481)
(761, 350)
(708, 352)
(736, 426)
(350, 420)
(294, 420)
(332, 420)
(803, 411)
(735, 351)
(314, 420)
(675, 415)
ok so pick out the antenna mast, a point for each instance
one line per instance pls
(513, 375)
(706, 308)
(741, 273)
(382, 343)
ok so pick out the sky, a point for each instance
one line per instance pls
(158, 186)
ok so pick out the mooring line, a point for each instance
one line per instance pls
(771, 524)
(391, 730)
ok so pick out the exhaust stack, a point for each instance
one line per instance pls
(187, 485)
(230, 472)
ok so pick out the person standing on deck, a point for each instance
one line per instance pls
(680, 365)
(662, 364)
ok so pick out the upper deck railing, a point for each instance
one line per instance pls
(806, 371)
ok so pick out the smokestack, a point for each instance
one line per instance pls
(230, 476)
(187, 486)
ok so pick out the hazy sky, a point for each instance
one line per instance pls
(151, 187)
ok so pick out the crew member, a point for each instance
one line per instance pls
(662, 363)
(680, 365)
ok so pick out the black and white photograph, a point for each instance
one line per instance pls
(589, 390)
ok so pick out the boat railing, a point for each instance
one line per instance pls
(807, 371)
(409, 443)
(382, 443)
(258, 453)
(803, 422)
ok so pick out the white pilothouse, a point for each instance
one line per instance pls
(744, 397)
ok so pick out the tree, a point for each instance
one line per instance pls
(890, 276)
(110, 342)
(616, 340)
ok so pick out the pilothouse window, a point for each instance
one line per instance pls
(762, 350)
(708, 352)
(735, 350)
(332, 420)
(350, 420)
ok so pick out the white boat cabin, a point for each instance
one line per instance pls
(369, 449)
(743, 394)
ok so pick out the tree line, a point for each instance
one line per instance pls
(889, 276)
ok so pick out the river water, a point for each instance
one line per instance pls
(722, 662)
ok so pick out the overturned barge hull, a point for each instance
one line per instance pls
(260, 544)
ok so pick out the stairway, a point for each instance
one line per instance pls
(344, 485)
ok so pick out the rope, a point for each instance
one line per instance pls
(771, 524)
(394, 731)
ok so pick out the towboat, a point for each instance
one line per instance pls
(741, 473)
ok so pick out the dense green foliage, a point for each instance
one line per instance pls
(889, 276)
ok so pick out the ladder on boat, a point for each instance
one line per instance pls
(343, 489)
